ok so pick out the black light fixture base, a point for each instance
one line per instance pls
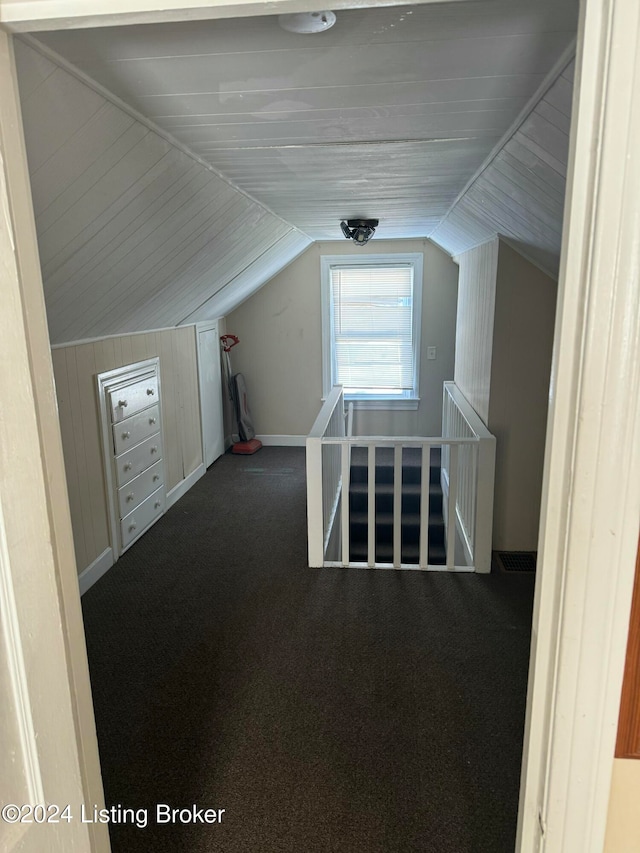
(359, 230)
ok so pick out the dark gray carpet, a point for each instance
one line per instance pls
(325, 709)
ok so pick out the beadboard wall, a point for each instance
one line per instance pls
(75, 367)
(474, 326)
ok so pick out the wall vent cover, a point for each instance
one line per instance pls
(516, 561)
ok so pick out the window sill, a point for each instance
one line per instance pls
(389, 404)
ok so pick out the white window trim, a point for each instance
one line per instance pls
(326, 262)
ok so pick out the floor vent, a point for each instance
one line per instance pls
(516, 561)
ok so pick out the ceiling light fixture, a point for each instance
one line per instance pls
(359, 230)
(307, 22)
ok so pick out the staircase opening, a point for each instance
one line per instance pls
(411, 489)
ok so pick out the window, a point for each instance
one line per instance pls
(371, 327)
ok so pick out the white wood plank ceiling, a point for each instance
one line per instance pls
(520, 192)
(388, 114)
(133, 233)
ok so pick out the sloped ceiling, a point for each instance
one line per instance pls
(133, 233)
(175, 168)
(387, 114)
(519, 194)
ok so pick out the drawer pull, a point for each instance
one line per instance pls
(132, 526)
(127, 466)
(150, 392)
(154, 449)
(126, 435)
(152, 420)
(156, 477)
(122, 404)
(130, 496)
(157, 504)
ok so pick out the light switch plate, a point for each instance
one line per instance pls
(431, 353)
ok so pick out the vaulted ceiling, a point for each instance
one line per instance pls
(176, 167)
(387, 114)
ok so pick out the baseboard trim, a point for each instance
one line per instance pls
(94, 572)
(283, 440)
(183, 487)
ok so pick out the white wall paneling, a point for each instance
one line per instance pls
(474, 324)
(75, 368)
(519, 194)
(210, 385)
(272, 261)
(133, 232)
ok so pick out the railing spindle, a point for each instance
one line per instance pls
(467, 461)
(425, 480)
(371, 506)
(346, 478)
(397, 506)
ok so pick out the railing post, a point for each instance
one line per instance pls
(484, 505)
(315, 520)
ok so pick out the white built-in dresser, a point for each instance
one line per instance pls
(131, 413)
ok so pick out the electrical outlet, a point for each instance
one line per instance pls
(431, 353)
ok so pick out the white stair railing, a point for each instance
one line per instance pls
(468, 455)
(473, 476)
(324, 476)
(398, 444)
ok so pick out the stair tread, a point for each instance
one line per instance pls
(408, 518)
(387, 488)
(408, 554)
(410, 456)
(413, 473)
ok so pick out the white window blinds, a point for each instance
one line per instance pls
(372, 328)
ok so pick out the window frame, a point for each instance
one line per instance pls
(408, 400)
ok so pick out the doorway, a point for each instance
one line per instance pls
(578, 356)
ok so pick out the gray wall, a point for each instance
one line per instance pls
(520, 372)
(280, 330)
(505, 324)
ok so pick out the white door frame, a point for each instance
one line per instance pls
(591, 498)
(591, 492)
(38, 557)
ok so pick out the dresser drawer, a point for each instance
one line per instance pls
(133, 493)
(137, 521)
(133, 430)
(129, 399)
(138, 459)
